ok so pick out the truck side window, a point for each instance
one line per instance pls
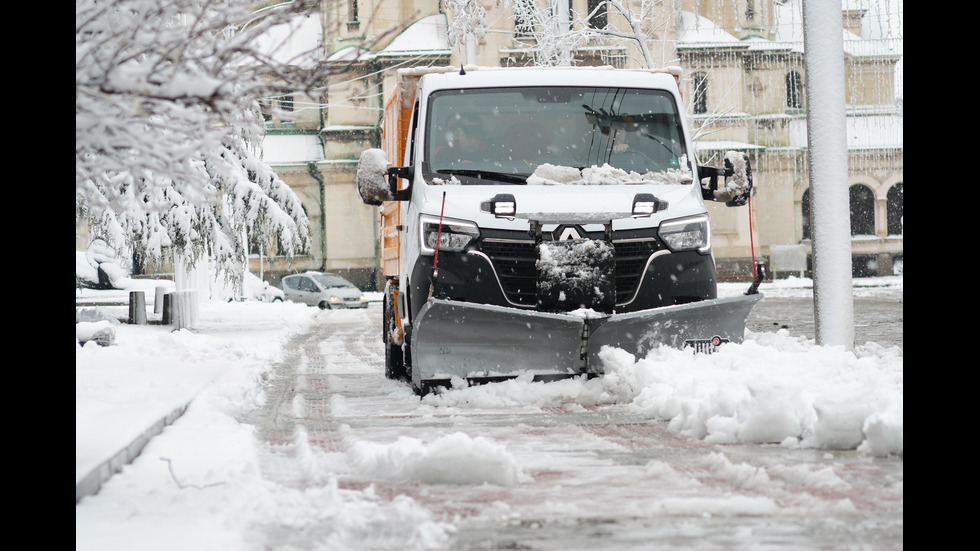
(411, 134)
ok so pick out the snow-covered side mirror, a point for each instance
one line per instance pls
(372, 168)
(737, 186)
(377, 180)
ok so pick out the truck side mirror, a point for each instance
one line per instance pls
(737, 174)
(377, 180)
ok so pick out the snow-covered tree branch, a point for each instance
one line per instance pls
(555, 38)
(168, 128)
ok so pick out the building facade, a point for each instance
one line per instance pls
(744, 83)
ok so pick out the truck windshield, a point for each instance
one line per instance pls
(501, 135)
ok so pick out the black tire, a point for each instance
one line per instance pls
(394, 358)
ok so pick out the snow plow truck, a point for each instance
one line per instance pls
(532, 216)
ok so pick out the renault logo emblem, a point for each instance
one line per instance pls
(568, 233)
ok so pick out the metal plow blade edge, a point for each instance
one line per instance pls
(483, 343)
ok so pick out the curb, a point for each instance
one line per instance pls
(92, 482)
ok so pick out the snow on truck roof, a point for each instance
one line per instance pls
(484, 77)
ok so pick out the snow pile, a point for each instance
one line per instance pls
(550, 175)
(452, 181)
(99, 331)
(772, 388)
(99, 266)
(452, 459)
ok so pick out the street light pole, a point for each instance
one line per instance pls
(827, 154)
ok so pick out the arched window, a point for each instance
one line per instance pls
(700, 101)
(895, 210)
(862, 201)
(794, 90)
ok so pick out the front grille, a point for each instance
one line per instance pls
(631, 260)
(514, 262)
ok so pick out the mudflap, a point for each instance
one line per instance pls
(482, 343)
(485, 343)
(701, 325)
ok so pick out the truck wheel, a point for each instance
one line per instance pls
(394, 359)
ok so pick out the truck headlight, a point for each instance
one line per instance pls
(455, 234)
(685, 234)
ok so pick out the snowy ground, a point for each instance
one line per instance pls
(198, 484)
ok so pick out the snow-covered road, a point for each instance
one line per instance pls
(299, 442)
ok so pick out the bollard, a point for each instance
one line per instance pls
(158, 299)
(181, 314)
(168, 308)
(137, 308)
(180, 308)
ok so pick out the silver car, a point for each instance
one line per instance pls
(324, 290)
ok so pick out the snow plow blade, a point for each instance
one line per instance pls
(701, 325)
(485, 343)
(481, 343)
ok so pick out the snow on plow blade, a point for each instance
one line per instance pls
(483, 343)
(701, 325)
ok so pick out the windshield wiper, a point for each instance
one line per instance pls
(488, 175)
(659, 141)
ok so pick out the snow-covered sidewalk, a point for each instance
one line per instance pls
(127, 392)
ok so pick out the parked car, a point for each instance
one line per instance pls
(321, 289)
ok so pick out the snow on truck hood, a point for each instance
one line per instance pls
(573, 196)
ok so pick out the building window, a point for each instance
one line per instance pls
(700, 102)
(862, 210)
(895, 207)
(794, 90)
(352, 22)
(523, 19)
(597, 17)
(265, 104)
